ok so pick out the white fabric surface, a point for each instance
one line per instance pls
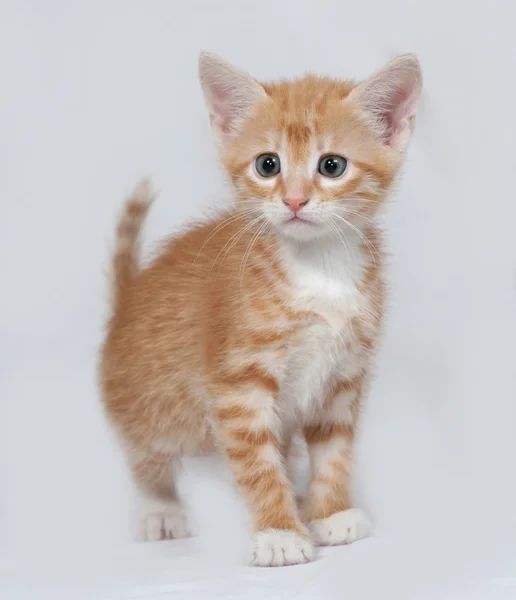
(371, 569)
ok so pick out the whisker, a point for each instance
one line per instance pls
(346, 209)
(236, 236)
(340, 235)
(355, 213)
(362, 236)
(231, 219)
(358, 198)
(247, 253)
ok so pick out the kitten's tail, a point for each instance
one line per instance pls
(126, 257)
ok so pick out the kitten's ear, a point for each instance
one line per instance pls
(388, 100)
(230, 94)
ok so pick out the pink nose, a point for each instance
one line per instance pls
(295, 204)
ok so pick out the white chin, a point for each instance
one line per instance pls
(300, 230)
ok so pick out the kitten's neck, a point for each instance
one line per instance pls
(342, 256)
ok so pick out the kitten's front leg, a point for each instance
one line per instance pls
(249, 432)
(328, 509)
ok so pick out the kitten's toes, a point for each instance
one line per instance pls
(278, 548)
(343, 527)
(163, 524)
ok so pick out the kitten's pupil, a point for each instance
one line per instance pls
(269, 164)
(331, 165)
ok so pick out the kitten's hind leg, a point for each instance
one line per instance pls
(162, 515)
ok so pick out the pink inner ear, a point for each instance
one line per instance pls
(220, 115)
(230, 94)
(399, 114)
(389, 99)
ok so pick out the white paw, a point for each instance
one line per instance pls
(278, 548)
(167, 523)
(342, 527)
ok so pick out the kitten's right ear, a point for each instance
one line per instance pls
(230, 94)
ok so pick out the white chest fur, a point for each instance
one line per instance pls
(325, 280)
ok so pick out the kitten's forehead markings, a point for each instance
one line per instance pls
(273, 138)
(283, 153)
(299, 136)
(300, 149)
(324, 143)
(313, 160)
(293, 161)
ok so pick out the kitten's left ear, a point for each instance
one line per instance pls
(388, 100)
(230, 94)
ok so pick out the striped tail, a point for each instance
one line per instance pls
(126, 257)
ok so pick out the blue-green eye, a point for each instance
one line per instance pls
(332, 165)
(267, 165)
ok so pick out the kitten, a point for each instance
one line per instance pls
(262, 323)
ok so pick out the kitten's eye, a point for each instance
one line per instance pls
(267, 165)
(332, 166)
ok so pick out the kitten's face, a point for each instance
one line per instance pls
(303, 155)
(305, 161)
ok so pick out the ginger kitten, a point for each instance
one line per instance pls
(262, 323)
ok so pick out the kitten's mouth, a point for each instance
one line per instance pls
(298, 219)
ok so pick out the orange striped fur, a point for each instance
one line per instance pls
(261, 324)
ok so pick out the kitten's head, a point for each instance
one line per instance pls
(311, 155)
